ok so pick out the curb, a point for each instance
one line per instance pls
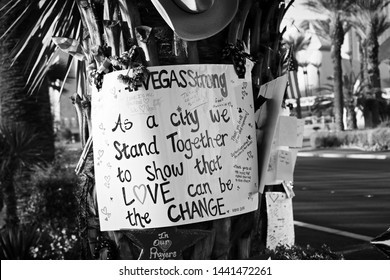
(351, 156)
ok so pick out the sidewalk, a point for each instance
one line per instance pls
(344, 153)
(357, 153)
(351, 249)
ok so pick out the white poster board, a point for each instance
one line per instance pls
(180, 149)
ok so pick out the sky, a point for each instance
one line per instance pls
(297, 13)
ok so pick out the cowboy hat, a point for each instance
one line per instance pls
(195, 20)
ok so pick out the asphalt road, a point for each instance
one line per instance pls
(351, 195)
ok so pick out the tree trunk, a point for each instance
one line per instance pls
(229, 237)
(372, 46)
(338, 38)
(351, 114)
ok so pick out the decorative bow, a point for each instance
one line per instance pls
(238, 55)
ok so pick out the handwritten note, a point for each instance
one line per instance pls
(179, 149)
(280, 222)
(289, 132)
(280, 166)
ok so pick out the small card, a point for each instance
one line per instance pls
(280, 167)
(284, 169)
(280, 220)
(289, 132)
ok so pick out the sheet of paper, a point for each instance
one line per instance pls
(280, 167)
(300, 128)
(280, 220)
(289, 132)
(286, 133)
(267, 117)
(284, 166)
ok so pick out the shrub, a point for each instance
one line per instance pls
(48, 200)
(386, 121)
(299, 253)
(381, 138)
(325, 140)
(370, 139)
(16, 242)
(56, 244)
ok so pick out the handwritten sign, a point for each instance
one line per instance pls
(165, 243)
(179, 149)
(280, 223)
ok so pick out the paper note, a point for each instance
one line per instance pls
(280, 222)
(289, 132)
(280, 167)
(286, 133)
(300, 128)
(284, 166)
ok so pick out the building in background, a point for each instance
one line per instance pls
(66, 125)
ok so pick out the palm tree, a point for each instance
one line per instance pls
(16, 106)
(337, 11)
(91, 25)
(370, 22)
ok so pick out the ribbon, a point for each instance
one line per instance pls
(238, 55)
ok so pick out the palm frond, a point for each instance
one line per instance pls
(371, 5)
(298, 41)
(370, 14)
(330, 7)
(38, 22)
(19, 147)
(321, 28)
(16, 242)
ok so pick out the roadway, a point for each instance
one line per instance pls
(348, 198)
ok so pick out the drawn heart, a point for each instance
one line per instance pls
(146, 100)
(100, 153)
(143, 108)
(274, 196)
(107, 178)
(105, 212)
(140, 192)
(165, 245)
